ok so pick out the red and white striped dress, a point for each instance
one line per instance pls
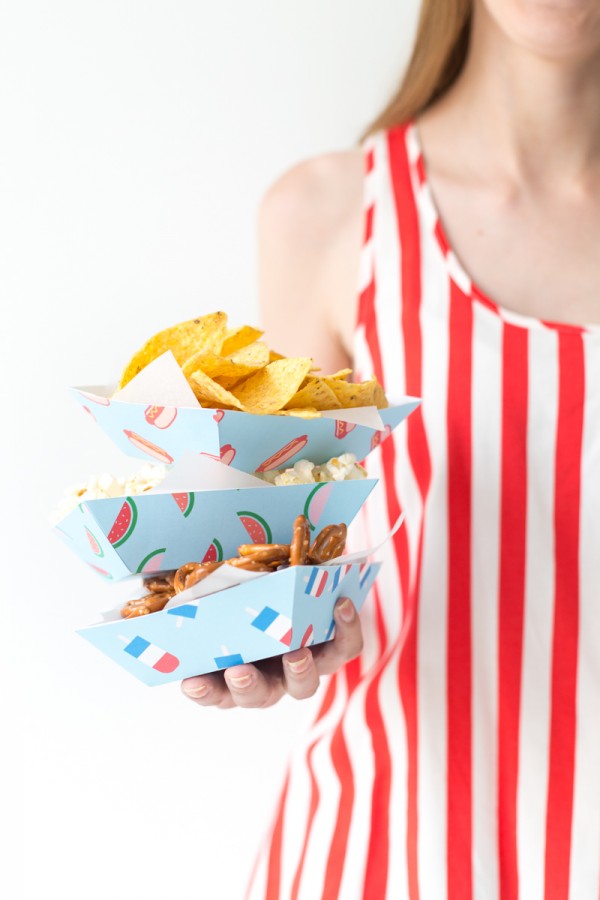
(459, 757)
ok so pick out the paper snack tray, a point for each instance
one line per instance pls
(157, 417)
(261, 618)
(167, 527)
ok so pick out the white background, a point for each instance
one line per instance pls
(136, 139)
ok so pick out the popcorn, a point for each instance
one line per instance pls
(105, 485)
(339, 468)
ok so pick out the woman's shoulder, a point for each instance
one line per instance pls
(310, 233)
(317, 196)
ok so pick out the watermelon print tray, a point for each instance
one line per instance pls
(258, 619)
(123, 536)
(157, 417)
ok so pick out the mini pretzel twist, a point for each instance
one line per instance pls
(191, 573)
(160, 584)
(250, 565)
(145, 605)
(300, 544)
(328, 544)
(265, 553)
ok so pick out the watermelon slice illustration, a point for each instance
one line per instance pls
(185, 502)
(316, 503)
(152, 562)
(258, 528)
(96, 548)
(100, 571)
(214, 552)
(124, 524)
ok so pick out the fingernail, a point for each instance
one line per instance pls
(200, 691)
(242, 681)
(346, 610)
(298, 666)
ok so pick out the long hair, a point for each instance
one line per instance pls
(438, 56)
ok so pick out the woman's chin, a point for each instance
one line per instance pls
(553, 29)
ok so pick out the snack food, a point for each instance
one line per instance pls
(339, 468)
(102, 486)
(233, 369)
(265, 558)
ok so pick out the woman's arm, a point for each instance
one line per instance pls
(309, 243)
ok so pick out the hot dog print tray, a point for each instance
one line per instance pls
(202, 511)
(157, 417)
(262, 617)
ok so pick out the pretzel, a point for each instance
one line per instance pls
(145, 605)
(328, 544)
(191, 573)
(250, 565)
(300, 543)
(160, 584)
(266, 553)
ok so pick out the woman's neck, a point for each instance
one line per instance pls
(534, 117)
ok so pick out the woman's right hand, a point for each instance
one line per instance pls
(296, 673)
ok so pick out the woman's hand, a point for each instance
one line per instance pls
(296, 673)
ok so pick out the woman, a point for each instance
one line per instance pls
(457, 756)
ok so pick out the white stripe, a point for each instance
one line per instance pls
(279, 627)
(151, 655)
(432, 627)
(485, 519)
(323, 828)
(585, 835)
(360, 752)
(538, 616)
(298, 798)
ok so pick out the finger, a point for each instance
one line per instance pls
(207, 690)
(347, 643)
(301, 678)
(249, 687)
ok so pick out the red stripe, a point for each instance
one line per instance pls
(337, 851)
(274, 861)
(567, 492)
(408, 225)
(314, 802)
(459, 829)
(376, 872)
(375, 883)
(369, 217)
(512, 595)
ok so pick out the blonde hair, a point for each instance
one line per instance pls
(438, 56)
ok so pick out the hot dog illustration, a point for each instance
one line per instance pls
(343, 428)
(284, 454)
(149, 448)
(160, 416)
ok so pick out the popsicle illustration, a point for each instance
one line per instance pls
(275, 624)
(228, 659)
(151, 655)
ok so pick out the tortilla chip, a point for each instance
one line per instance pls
(271, 388)
(315, 394)
(255, 355)
(306, 413)
(197, 335)
(368, 393)
(274, 356)
(341, 375)
(217, 366)
(209, 393)
(236, 338)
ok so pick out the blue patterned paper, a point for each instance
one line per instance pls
(174, 644)
(164, 531)
(242, 440)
